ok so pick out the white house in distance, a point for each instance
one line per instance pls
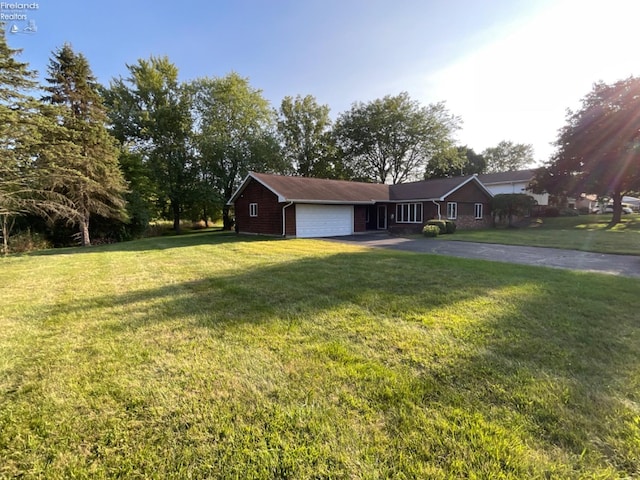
(512, 182)
(592, 201)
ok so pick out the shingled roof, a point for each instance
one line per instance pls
(320, 190)
(507, 177)
(436, 189)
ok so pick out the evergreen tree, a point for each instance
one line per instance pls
(26, 130)
(94, 183)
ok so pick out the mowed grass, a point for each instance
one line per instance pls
(216, 356)
(589, 233)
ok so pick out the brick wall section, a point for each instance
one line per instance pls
(469, 222)
(269, 219)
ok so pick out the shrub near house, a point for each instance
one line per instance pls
(431, 231)
(444, 226)
(509, 206)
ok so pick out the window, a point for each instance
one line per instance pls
(253, 209)
(452, 210)
(409, 213)
(478, 210)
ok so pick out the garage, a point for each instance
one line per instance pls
(323, 220)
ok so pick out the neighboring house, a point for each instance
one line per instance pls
(313, 207)
(591, 202)
(512, 182)
(586, 202)
(632, 202)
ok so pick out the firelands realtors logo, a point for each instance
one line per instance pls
(17, 16)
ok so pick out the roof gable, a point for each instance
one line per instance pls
(435, 189)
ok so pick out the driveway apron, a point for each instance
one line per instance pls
(624, 265)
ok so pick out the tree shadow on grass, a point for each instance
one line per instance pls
(160, 243)
(625, 223)
(306, 286)
(565, 370)
(544, 327)
(534, 353)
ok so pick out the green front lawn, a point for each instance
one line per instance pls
(216, 356)
(589, 233)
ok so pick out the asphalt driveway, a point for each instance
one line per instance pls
(624, 265)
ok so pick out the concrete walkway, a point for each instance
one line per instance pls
(624, 265)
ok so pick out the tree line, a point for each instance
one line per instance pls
(81, 157)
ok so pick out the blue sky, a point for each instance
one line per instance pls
(508, 68)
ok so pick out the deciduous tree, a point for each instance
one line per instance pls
(454, 162)
(392, 139)
(304, 127)
(150, 114)
(235, 133)
(598, 150)
(508, 157)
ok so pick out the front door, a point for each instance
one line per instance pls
(382, 217)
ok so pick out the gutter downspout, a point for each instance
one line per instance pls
(437, 205)
(284, 221)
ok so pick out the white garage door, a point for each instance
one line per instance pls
(323, 220)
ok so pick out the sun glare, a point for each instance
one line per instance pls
(518, 86)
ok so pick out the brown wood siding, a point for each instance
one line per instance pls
(469, 222)
(469, 193)
(360, 218)
(430, 211)
(290, 221)
(269, 219)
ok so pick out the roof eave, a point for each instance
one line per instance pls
(333, 202)
(405, 200)
(505, 182)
